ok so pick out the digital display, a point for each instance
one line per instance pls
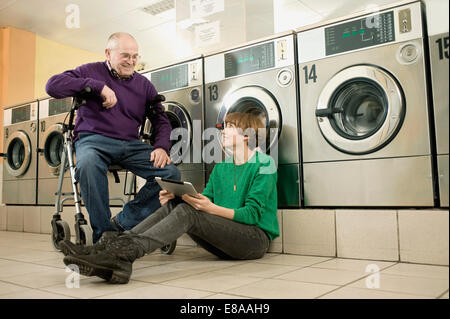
(171, 79)
(58, 106)
(20, 114)
(249, 60)
(362, 33)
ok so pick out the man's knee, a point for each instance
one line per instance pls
(171, 172)
(89, 162)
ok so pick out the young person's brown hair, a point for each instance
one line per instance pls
(251, 125)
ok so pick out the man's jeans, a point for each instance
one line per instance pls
(220, 236)
(94, 153)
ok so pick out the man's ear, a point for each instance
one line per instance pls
(108, 54)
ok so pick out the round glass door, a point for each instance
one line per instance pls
(181, 135)
(360, 110)
(19, 153)
(54, 147)
(260, 102)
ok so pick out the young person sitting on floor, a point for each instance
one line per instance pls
(234, 218)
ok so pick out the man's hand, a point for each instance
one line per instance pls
(165, 196)
(109, 97)
(200, 202)
(160, 158)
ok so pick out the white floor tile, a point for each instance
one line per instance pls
(293, 260)
(163, 273)
(415, 270)
(93, 287)
(357, 293)
(362, 266)
(323, 276)
(158, 292)
(15, 268)
(225, 296)
(44, 278)
(8, 288)
(33, 294)
(281, 289)
(31, 268)
(212, 281)
(432, 287)
(254, 269)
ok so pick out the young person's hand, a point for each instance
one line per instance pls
(200, 202)
(165, 196)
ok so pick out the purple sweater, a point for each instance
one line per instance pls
(121, 121)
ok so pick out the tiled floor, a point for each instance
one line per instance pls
(31, 268)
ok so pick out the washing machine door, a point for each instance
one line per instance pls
(18, 153)
(259, 101)
(361, 109)
(53, 147)
(181, 135)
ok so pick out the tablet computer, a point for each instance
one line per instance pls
(176, 187)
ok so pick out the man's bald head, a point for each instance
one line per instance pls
(115, 38)
(122, 53)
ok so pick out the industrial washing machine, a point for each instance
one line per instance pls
(20, 163)
(52, 116)
(182, 86)
(364, 111)
(438, 39)
(258, 77)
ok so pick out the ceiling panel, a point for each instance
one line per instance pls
(331, 9)
(293, 14)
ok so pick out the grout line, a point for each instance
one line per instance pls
(335, 234)
(398, 235)
(441, 295)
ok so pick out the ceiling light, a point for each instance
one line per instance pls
(159, 7)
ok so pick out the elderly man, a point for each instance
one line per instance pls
(106, 132)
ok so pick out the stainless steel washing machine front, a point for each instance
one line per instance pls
(438, 36)
(258, 77)
(182, 85)
(364, 111)
(20, 144)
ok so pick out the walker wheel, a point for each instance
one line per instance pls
(61, 233)
(86, 235)
(169, 249)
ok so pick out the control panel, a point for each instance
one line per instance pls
(177, 77)
(271, 54)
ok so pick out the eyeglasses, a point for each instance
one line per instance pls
(127, 56)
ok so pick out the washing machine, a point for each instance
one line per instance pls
(258, 77)
(365, 113)
(182, 85)
(438, 39)
(20, 164)
(53, 113)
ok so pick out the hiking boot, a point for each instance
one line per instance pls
(69, 248)
(114, 263)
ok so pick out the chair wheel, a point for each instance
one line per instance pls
(169, 249)
(62, 232)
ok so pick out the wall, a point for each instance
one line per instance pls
(17, 69)
(19, 48)
(53, 58)
(27, 62)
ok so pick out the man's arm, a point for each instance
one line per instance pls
(71, 82)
